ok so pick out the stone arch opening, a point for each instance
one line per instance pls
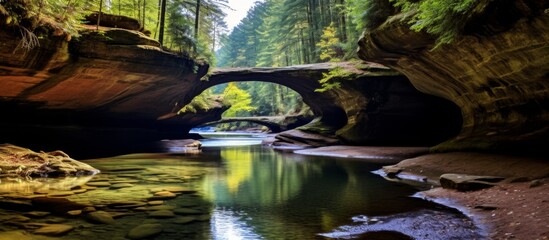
(302, 79)
(376, 106)
(275, 106)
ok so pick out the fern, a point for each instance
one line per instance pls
(333, 79)
(445, 19)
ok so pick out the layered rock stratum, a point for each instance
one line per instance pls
(497, 72)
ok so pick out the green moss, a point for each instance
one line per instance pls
(316, 126)
(479, 145)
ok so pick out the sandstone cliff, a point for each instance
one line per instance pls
(115, 77)
(497, 73)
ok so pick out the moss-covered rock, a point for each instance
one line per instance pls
(20, 161)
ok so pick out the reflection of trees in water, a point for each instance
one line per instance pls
(301, 195)
(257, 178)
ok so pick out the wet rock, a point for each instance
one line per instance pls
(37, 214)
(88, 209)
(203, 218)
(54, 230)
(99, 184)
(184, 220)
(187, 211)
(188, 202)
(160, 207)
(486, 207)
(16, 235)
(121, 185)
(127, 204)
(60, 193)
(116, 215)
(56, 205)
(162, 214)
(173, 189)
(384, 234)
(55, 220)
(301, 139)
(535, 183)
(156, 202)
(16, 218)
(15, 205)
(25, 162)
(145, 231)
(124, 181)
(152, 179)
(100, 217)
(463, 182)
(171, 181)
(78, 191)
(392, 171)
(162, 195)
(74, 212)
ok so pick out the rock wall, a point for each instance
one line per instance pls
(118, 86)
(118, 79)
(374, 105)
(499, 79)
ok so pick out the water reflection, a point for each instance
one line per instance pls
(29, 186)
(287, 196)
(236, 192)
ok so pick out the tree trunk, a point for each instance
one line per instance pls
(343, 21)
(99, 15)
(196, 21)
(144, 8)
(313, 29)
(157, 18)
(162, 19)
(138, 10)
(214, 36)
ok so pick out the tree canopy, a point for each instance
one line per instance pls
(274, 33)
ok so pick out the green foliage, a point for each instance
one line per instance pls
(369, 14)
(35, 18)
(200, 103)
(333, 78)
(329, 45)
(285, 32)
(238, 99)
(268, 99)
(445, 19)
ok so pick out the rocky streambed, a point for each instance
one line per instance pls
(129, 202)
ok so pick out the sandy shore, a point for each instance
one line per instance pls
(517, 208)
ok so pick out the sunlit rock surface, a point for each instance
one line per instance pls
(497, 73)
(21, 162)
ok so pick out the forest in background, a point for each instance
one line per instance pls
(274, 33)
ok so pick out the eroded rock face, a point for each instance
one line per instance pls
(374, 106)
(118, 86)
(499, 79)
(17, 161)
(114, 79)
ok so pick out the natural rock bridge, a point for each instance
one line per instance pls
(122, 80)
(275, 123)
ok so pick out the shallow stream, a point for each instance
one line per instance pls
(233, 189)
